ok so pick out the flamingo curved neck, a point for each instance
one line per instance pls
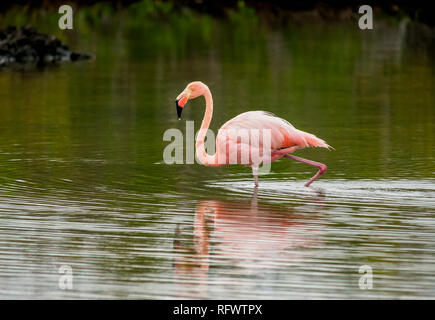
(201, 153)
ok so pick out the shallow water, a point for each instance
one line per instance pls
(83, 184)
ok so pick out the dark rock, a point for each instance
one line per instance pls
(11, 29)
(75, 56)
(26, 45)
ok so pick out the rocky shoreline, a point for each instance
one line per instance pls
(25, 45)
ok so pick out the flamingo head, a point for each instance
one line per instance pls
(192, 91)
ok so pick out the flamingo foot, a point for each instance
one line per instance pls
(322, 167)
(319, 173)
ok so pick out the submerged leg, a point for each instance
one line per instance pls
(255, 173)
(254, 198)
(321, 166)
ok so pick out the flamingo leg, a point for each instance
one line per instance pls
(321, 166)
(255, 173)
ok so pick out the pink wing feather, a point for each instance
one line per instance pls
(283, 134)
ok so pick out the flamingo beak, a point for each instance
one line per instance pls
(179, 103)
(179, 109)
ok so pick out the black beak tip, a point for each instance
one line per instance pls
(179, 109)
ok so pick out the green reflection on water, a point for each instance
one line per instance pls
(369, 94)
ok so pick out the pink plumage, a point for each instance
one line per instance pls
(284, 135)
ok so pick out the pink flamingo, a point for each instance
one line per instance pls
(284, 138)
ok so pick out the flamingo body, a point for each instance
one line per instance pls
(285, 137)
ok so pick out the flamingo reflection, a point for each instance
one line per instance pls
(247, 236)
